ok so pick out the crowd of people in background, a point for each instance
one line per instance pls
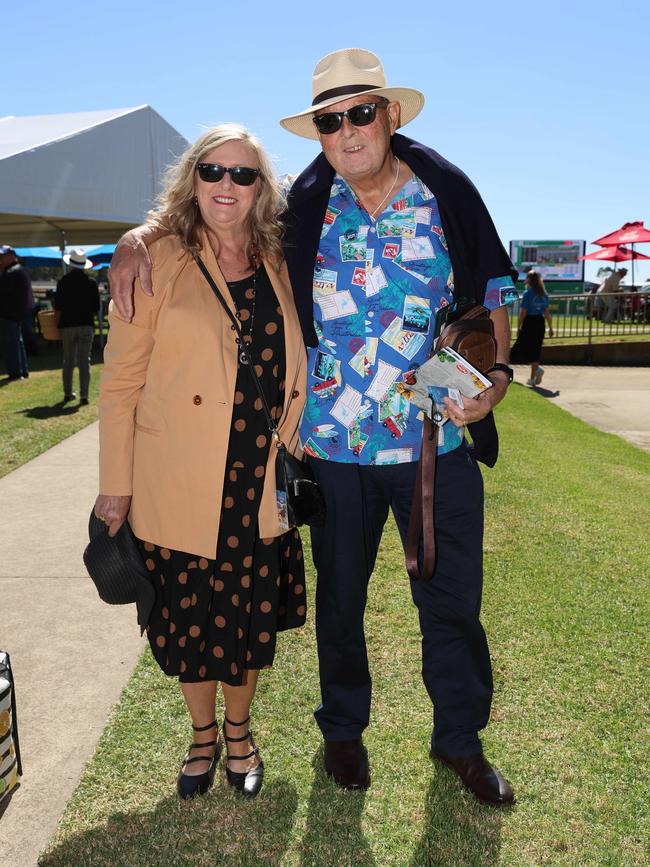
(76, 301)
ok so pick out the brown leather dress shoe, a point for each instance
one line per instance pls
(484, 782)
(347, 763)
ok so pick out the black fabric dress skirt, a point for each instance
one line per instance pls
(213, 619)
(527, 348)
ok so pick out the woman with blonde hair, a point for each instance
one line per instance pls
(185, 450)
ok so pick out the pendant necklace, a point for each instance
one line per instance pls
(376, 210)
(248, 335)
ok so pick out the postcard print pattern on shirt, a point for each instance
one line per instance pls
(377, 288)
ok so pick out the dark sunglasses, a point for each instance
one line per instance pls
(358, 115)
(241, 175)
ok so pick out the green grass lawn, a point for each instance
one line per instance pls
(32, 415)
(566, 610)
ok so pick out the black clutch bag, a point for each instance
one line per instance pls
(304, 500)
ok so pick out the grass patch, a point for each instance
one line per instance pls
(566, 613)
(32, 416)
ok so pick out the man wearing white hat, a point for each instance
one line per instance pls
(381, 233)
(77, 299)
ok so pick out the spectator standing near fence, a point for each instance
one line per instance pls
(77, 299)
(533, 313)
(608, 289)
(15, 292)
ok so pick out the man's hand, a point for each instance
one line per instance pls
(477, 408)
(131, 260)
(112, 511)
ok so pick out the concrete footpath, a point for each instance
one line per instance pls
(612, 399)
(71, 653)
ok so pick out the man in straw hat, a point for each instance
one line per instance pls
(77, 299)
(382, 232)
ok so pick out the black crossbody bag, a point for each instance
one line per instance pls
(304, 499)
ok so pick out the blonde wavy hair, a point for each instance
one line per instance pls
(177, 212)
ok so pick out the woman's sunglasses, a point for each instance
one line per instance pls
(358, 115)
(241, 175)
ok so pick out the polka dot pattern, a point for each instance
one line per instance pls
(213, 619)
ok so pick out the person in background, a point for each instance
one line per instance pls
(533, 314)
(15, 293)
(77, 299)
(27, 325)
(608, 292)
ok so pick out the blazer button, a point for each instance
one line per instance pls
(197, 400)
(295, 394)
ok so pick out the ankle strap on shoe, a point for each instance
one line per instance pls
(231, 723)
(204, 728)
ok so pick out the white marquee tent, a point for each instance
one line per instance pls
(82, 178)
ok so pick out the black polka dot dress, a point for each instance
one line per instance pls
(213, 619)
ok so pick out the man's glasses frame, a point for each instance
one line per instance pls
(243, 176)
(359, 115)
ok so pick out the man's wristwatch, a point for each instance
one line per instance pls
(505, 369)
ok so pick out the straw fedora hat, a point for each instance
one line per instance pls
(77, 259)
(345, 73)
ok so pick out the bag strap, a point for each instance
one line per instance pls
(421, 520)
(241, 343)
(14, 719)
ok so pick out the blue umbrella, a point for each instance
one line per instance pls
(101, 255)
(36, 257)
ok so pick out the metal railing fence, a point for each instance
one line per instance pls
(592, 316)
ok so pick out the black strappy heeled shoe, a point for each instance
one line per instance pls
(248, 782)
(189, 785)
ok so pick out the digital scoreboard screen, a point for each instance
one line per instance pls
(555, 260)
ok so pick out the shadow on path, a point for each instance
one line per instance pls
(220, 828)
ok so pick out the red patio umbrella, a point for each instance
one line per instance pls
(615, 254)
(629, 233)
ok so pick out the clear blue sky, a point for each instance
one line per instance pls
(545, 106)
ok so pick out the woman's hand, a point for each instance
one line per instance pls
(550, 331)
(112, 511)
(131, 260)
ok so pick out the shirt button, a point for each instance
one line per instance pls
(197, 399)
(295, 394)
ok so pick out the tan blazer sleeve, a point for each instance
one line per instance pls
(126, 359)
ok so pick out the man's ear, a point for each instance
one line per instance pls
(394, 109)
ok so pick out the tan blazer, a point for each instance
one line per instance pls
(166, 401)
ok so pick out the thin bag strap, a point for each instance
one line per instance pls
(421, 520)
(14, 719)
(273, 428)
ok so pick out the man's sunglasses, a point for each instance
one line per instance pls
(358, 115)
(241, 175)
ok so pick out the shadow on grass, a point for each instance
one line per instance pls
(221, 828)
(333, 835)
(50, 410)
(457, 829)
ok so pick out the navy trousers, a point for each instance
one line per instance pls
(455, 657)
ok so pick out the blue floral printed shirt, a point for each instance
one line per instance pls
(377, 287)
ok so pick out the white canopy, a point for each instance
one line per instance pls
(82, 178)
